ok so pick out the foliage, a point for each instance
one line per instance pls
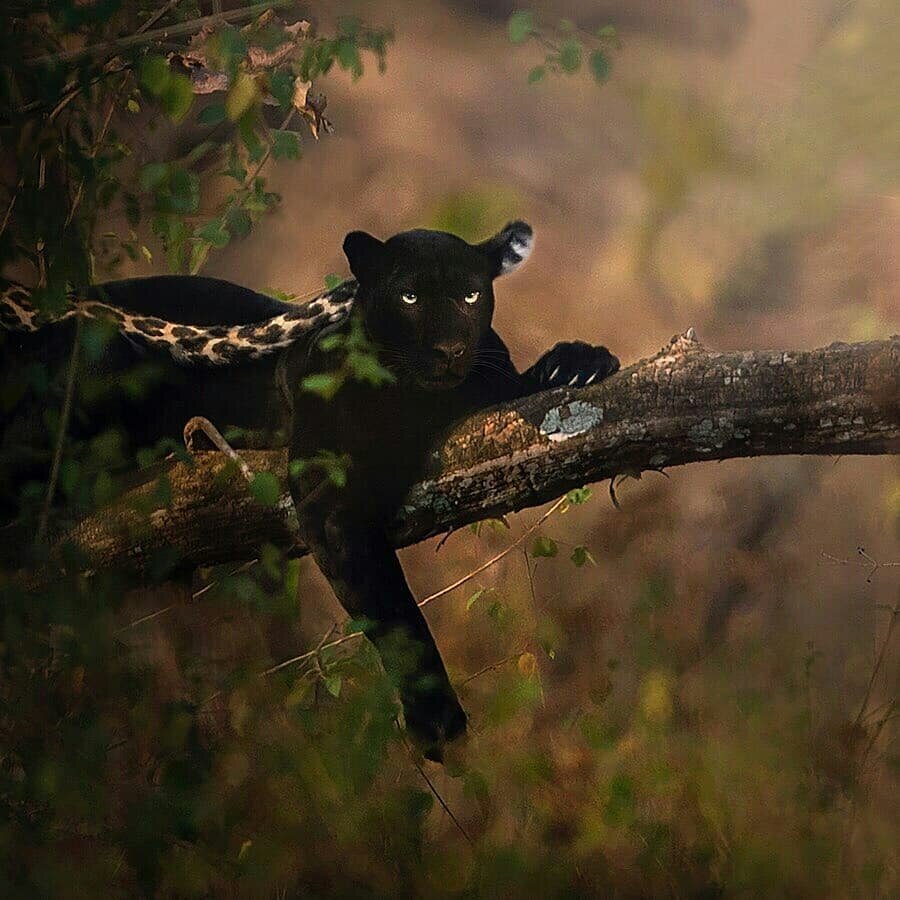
(166, 741)
(565, 46)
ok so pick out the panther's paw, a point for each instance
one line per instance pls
(574, 364)
(432, 721)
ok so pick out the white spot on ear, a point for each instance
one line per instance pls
(518, 250)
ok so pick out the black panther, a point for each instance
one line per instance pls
(426, 301)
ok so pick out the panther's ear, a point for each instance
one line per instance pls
(364, 253)
(509, 248)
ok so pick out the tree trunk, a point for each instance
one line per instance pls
(685, 404)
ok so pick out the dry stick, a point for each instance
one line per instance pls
(157, 16)
(876, 733)
(147, 37)
(871, 564)
(311, 653)
(434, 790)
(492, 667)
(61, 433)
(79, 194)
(895, 613)
(195, 596)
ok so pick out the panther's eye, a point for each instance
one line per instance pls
(472, 298)
(410, 298)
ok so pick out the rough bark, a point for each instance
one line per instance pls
(685, 404)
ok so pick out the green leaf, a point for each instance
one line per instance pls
(581, 556)
(331, 342)
(241, 96)
(238, 222)
(177, 97)
(215, 232)
(227, 48)
(199, 255)
(473, 599)
(348, 57)
(570, 55)
(265, 488)
(333, 684)
(183, 195)
(600, 65)
(520, 26)
(132, 209)
(104, 489)
(212, 114)
(544, 546)
(153, 175)
(606, 31)
(332, 281)
(281, 87)
(326, 385)
(337, 475)
(286, 145)
(537, 74)
(577, 496)
(365, 367)
(132, 105)
(154, 74)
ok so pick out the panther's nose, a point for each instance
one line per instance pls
(450, 351)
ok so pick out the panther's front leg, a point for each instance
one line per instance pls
(365, 574)
(570, 364)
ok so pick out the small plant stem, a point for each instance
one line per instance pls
(495, 559)
(61, 433)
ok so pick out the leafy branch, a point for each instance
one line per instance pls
(565, 45)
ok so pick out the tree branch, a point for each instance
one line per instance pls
(685, 404)
(148, 37)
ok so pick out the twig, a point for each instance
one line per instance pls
(876, 733)
(869, 562)
(895, 613)
(147, 37)
(243, 567)
(495, 559)
(157, 16)
(434, 790)
(311, 653)
(61, 433)
(492, 667)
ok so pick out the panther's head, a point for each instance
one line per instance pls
(427, 296)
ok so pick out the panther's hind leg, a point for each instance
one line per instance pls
(362, 566)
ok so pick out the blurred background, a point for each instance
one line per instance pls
(738, 173)
(705, 707)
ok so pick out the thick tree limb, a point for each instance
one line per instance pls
(686, 404)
